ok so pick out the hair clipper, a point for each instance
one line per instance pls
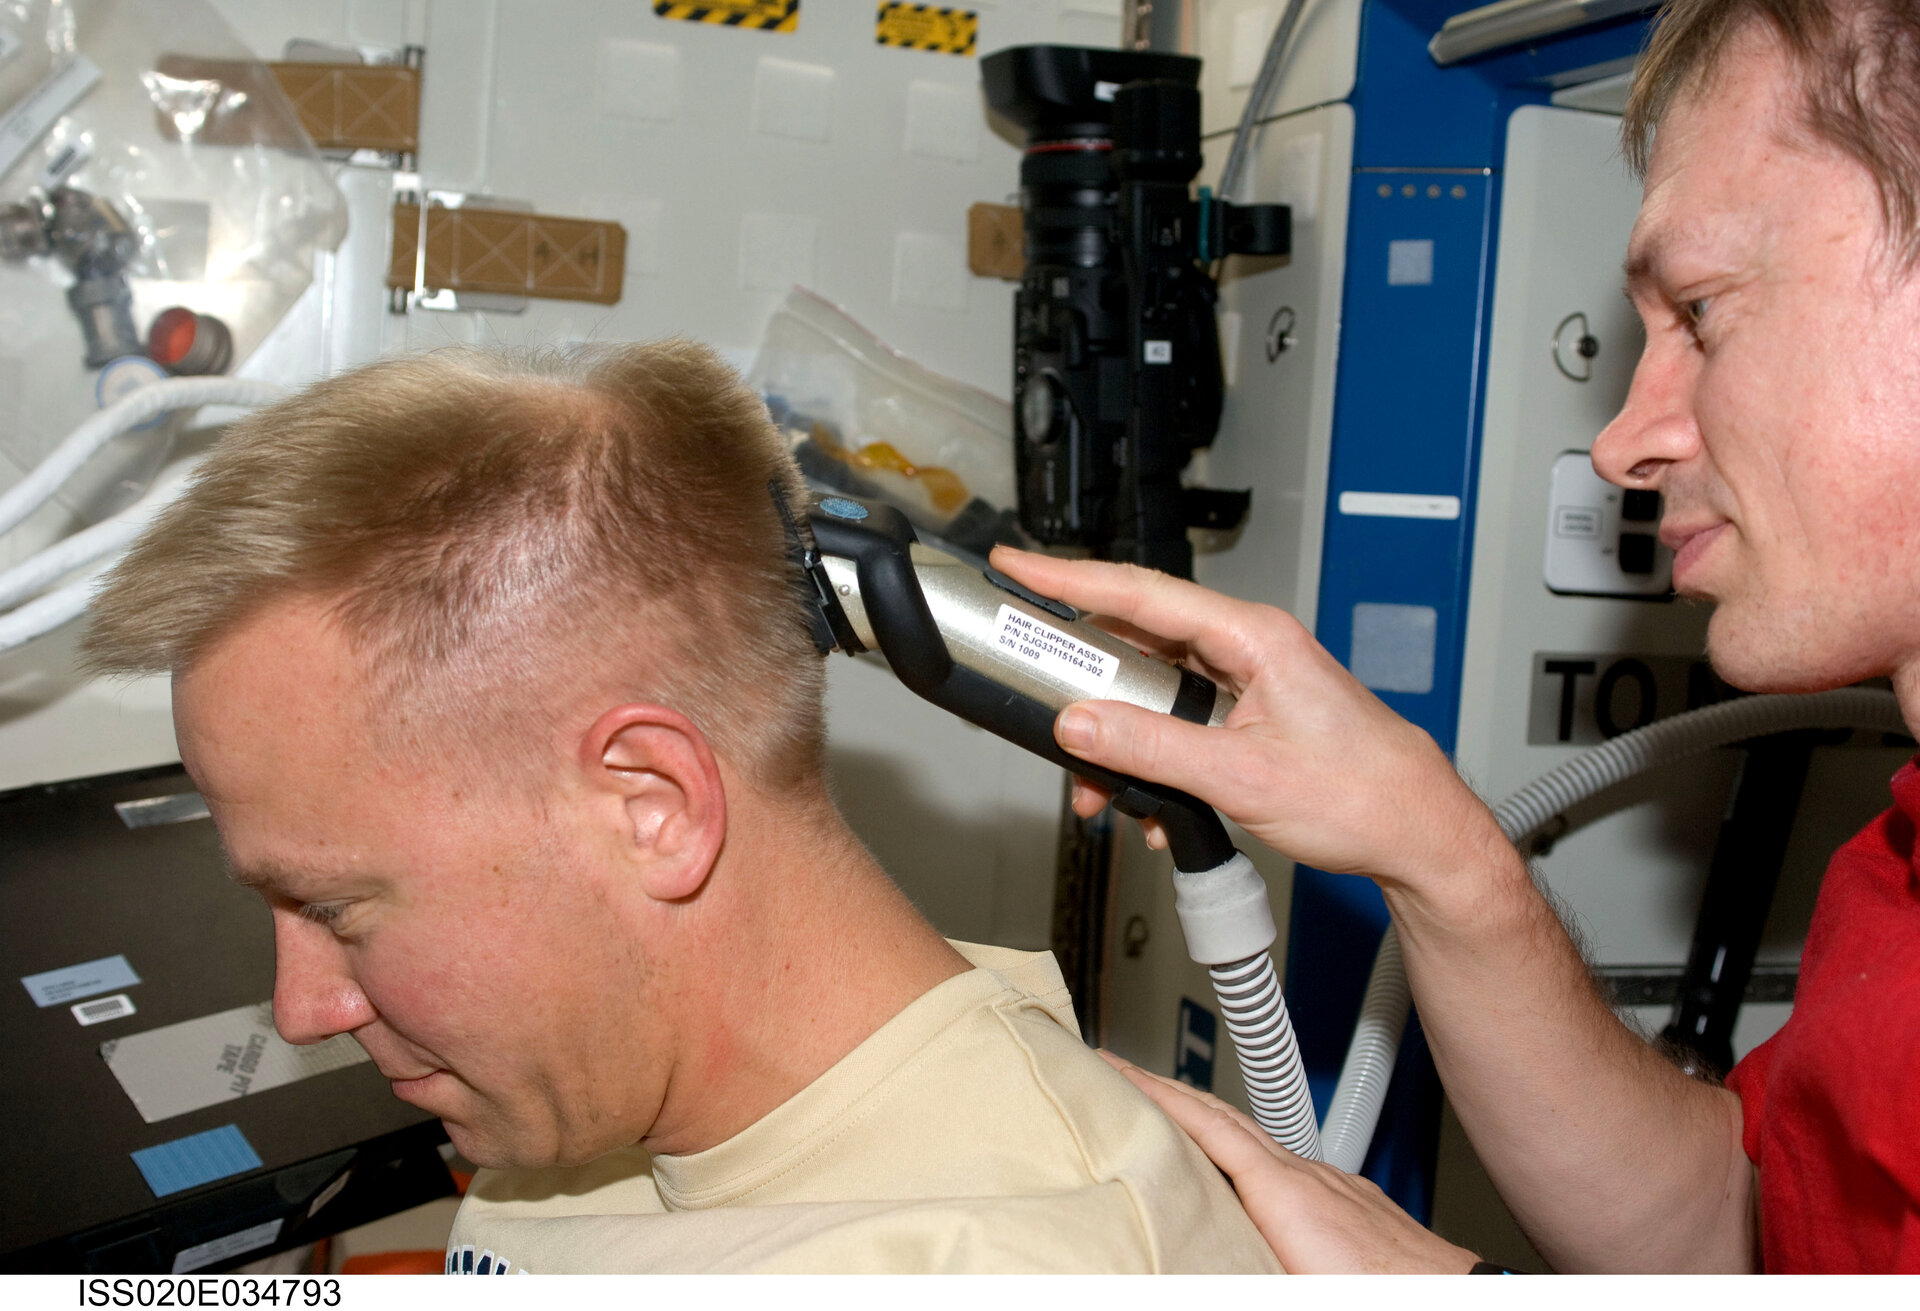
(995, 653)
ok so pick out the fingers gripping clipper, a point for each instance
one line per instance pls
(1002, 657)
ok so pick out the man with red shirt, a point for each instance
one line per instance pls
(1776, 265)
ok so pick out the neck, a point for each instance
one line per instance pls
(1906, 687)
(807, 950)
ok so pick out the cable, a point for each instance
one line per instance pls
(1257, 98)
(38, 487)
(103, 541)
(1355, 1110)
(42, 615)
(68, 554)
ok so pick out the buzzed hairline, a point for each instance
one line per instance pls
(492, 530)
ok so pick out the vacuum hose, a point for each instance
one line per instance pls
(1355, 1110)
(1228, 924)
(1263, 1043)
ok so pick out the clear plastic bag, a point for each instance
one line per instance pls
(867, 420)
(170, 171)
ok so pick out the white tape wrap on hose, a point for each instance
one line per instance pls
(1224, 912)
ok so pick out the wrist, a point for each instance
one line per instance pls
(1475, 881)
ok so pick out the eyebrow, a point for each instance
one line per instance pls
(1642, 257)
(267, 874)
(257, 876)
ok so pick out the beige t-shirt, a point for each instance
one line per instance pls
(974, 1131)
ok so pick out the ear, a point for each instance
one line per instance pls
(660, 768)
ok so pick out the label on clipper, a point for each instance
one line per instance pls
(1058, 655)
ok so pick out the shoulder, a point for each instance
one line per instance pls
(1089, 1231)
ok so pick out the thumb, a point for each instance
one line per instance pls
(1145, 744)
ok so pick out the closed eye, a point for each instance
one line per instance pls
(321, 912)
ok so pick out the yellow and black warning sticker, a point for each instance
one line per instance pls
(758, 15)
(927, 27)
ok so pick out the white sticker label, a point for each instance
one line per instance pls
(58, 987)
(23, 125)
(1399, 505)
(107, 1008)
(1158, 352)
(223, 1249)
(1055, 654)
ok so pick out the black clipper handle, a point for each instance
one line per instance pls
(878, 543)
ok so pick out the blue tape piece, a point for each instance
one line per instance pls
(108, 974)
(197, 1159)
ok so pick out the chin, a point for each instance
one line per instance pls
(1771, 658)
(487, 1150)
(503, 1150)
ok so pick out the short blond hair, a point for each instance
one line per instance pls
(487, 526)
(1857, 65)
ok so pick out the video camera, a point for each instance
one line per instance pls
(1117, 374)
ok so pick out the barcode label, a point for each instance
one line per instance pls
(103, 1009)
(68, 161)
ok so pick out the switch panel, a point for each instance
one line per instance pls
(1600, 538)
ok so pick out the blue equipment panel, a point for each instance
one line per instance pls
(1425, 203)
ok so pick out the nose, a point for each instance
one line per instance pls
(315, 995)
(1656, 428)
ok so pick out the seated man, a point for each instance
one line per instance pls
(494, 676)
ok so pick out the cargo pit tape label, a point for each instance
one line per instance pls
(756, 15)
(1053, 654)
(926, 27)
(216, 1058)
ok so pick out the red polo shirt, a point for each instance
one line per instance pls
(1832, 1101)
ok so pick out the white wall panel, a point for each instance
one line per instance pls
(739, 162)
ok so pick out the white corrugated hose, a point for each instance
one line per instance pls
(103, 541)
(1355, 1109)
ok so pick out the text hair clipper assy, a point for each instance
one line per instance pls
(1009, 660)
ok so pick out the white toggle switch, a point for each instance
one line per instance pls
(1603, 540)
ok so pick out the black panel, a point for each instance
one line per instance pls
(79, 885)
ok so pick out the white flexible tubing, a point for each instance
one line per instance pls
(69, 553)
(1355, 1110)
(1263, 1044)
(1526, 811)
(43, 614)
(38, 487)
(108, 539)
